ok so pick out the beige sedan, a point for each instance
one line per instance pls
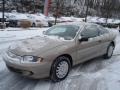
(60, 48)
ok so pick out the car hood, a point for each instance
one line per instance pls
(35, 45)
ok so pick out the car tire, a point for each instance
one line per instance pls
(110, 50)
(33, 25)
(60, 69)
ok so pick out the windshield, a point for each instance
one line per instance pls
(68, 32)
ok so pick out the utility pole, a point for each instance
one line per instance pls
(34, 6)
(3, 25)
(46, 7)
(57, 10)
(87, 8)
(21, 1)
(3, 11)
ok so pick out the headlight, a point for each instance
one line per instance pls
(28, 59)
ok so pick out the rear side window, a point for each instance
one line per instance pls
(102, 30)
(90, 31)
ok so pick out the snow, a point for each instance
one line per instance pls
(66, 19)
(40, 16)
(102, 20)
(1, 15)
(92, 19)
(19, 33)
(116, 21)
(35, 17)
(70, 19)
(77, 19)
(50, 18)
(17, 16)
(2, 64)
(96, 74)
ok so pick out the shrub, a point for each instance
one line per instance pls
(25, 23)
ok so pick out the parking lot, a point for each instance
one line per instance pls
(96, 74)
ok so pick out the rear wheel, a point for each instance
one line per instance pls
(33, 25)
(60, 68)
(109, 51)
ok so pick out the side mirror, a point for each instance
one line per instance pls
(83, 39)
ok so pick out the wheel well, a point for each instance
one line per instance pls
(66, 55)
(33, 23)
(113, 43)
(69, 56)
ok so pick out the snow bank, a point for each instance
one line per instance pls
(6, 36)
(102, 20)
(16, 16)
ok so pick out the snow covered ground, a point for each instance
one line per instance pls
(96, 74)
(12, 34)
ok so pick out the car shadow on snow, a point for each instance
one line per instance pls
(94, 65)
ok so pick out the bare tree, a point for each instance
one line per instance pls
(107, 7)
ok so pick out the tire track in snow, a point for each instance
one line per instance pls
(98, 84)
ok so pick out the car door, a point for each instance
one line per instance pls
(89, 49)
(104, 37)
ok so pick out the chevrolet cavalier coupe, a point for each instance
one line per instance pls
(59, 48)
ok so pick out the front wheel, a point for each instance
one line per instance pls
(60, 69)
(109, 51)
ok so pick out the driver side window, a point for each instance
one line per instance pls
(90, 31)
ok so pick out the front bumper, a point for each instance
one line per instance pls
(33, 70)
